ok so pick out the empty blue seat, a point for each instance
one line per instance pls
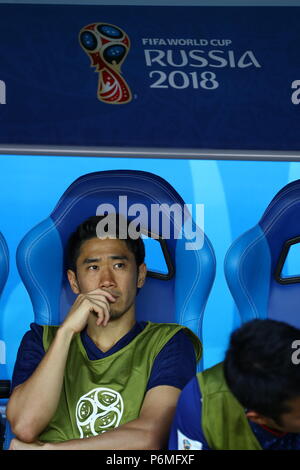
(255, 262)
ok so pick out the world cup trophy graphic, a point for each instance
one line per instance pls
(107, 46)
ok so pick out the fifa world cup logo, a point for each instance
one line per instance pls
(107, 46)
(98, 411)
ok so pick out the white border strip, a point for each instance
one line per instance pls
(132, 152)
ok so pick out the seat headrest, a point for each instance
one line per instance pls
(180, 298)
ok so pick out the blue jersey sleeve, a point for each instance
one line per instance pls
(30, 354)
(186, 432)
(176, 363)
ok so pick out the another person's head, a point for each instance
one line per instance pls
(111, 263)
(259, 370)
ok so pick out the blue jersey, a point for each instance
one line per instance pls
(175, 365)
(187, 431)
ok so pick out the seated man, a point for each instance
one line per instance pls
(100, 380)
(250, 401)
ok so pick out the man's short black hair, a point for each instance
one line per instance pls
(88, 230)
(258, 367)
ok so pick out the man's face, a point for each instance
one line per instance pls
(289, 421)
(108, 264)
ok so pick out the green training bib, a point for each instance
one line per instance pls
(99, 395)
(224, 422)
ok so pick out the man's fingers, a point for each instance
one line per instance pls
(100, 309)
(104, 293)
(101, 320)
(102, 303)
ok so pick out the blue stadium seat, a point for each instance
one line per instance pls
(182, 292)
(182, 296)
(4, 270)
(255, 263)
(4, 262)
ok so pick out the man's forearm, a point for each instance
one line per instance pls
(149, 431)
(34, 402)
(130, 436)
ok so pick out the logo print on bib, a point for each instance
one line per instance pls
(98, 411)
(107, 46)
